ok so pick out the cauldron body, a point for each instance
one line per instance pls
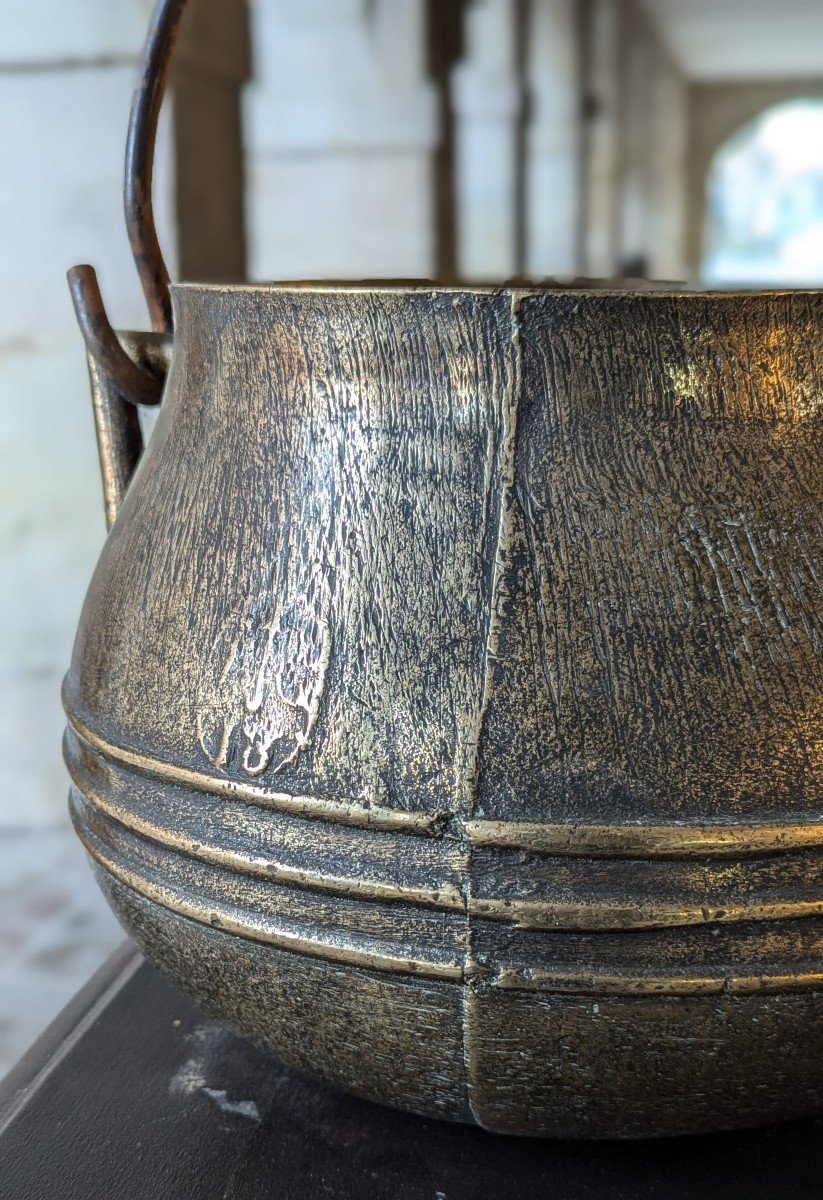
(442, 714)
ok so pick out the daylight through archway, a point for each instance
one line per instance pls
(764, 198)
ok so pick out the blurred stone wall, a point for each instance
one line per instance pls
(477, 139)
(67, 72)
(66, 77)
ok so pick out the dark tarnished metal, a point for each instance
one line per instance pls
(444, 713)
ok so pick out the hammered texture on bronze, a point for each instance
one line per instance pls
(444, 712)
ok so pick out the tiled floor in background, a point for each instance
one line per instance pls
(55, 930)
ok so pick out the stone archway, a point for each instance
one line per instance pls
(718, 111)
(764, 201)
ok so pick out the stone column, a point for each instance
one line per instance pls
(668, 167)
(653, 153)
(636, 145)
(602, 138)
(717, 111)
(487, 99)
(553, 139)
(212, 65)
(342, 132)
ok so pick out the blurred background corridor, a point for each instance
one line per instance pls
(444, 139)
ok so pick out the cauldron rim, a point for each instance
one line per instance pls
(589, 289)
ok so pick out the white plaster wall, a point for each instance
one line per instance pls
(62, 133)
(341, 127)
(56, 32)
(66, 76)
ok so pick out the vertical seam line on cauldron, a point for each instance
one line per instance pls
(504, 470)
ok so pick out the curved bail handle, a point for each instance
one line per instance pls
(142, 137)
(124, 371)
(133, 383)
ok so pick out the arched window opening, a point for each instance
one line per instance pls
(764, 219)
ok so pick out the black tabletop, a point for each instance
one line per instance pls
(133, 1094)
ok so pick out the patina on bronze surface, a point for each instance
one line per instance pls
(444, 709)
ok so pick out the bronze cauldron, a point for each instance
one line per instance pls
(443, 711)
